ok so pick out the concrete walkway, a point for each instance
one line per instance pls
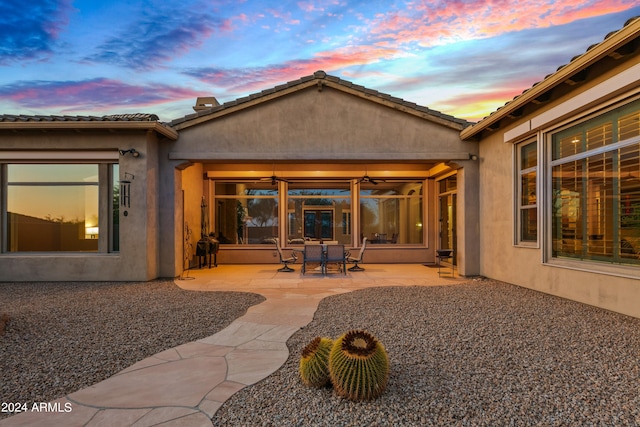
(184, 386)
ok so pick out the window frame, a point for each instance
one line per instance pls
(220, 220)
(519, 208)
(614, 112)
(419, 196)
(108, 169)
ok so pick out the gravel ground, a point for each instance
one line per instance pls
(479, 354)
(62, 337)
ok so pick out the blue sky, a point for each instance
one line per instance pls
(464, 58)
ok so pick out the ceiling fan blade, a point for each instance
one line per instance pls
(274, 179)
(368, 179)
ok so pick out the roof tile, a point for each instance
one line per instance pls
(321, 75)
(138, 117)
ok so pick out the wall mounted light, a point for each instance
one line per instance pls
(131, 151)
(473, 157)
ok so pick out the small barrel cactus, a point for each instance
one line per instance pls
(358, 366)
(314, 364)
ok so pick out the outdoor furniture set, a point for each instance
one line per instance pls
(322, 255)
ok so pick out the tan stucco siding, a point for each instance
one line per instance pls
(604, 285)
(136, 259)
(319, 125)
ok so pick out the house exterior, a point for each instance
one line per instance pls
(543, 193)
(127, 197)
(560, 172)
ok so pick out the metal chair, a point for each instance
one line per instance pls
(335, 254)
(357, 259)
(313, 254)
(284, 260)
(444, 254)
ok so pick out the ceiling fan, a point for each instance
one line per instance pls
(274, 179)
(368, 179)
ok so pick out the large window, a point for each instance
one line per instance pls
(319, 211)
(596, 188)
(55, 207)
(526, 193)
(246, 212)
(391, 212)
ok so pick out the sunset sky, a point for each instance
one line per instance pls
(464, 58)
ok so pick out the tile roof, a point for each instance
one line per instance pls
(137, 117)
(138, 121)
(320, 76)
(548, 79)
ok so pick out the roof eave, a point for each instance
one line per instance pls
(90, 125)
(591, 56)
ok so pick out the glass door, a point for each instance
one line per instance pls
(318, 224)
(447, 208)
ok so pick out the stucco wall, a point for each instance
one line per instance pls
(501, 259)
(137, 257)
(314, 125)
(192, 185)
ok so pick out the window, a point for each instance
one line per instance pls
(246, 212)
(391, 212)
(55, 208)
(526, 193)
(595, 172)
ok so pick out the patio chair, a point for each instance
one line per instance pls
(313, 254)
(357, 259)
(443, 255)
(284, 260)
(335, 254)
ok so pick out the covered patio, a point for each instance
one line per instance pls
(319, 159)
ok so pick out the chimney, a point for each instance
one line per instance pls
(205, 103)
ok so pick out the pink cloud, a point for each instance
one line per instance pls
(96, 94)
(284, 17)
(309, 7)
(252, 79)
(436, 23)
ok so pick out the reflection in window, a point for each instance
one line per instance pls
(115, 208)
(246, 212)
(52, 208)
(319, 211)
(527, 193)
(391, 212)
(596, 189)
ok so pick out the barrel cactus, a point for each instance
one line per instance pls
(358, 366)
(314, 369)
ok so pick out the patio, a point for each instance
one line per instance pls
(261, 278)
